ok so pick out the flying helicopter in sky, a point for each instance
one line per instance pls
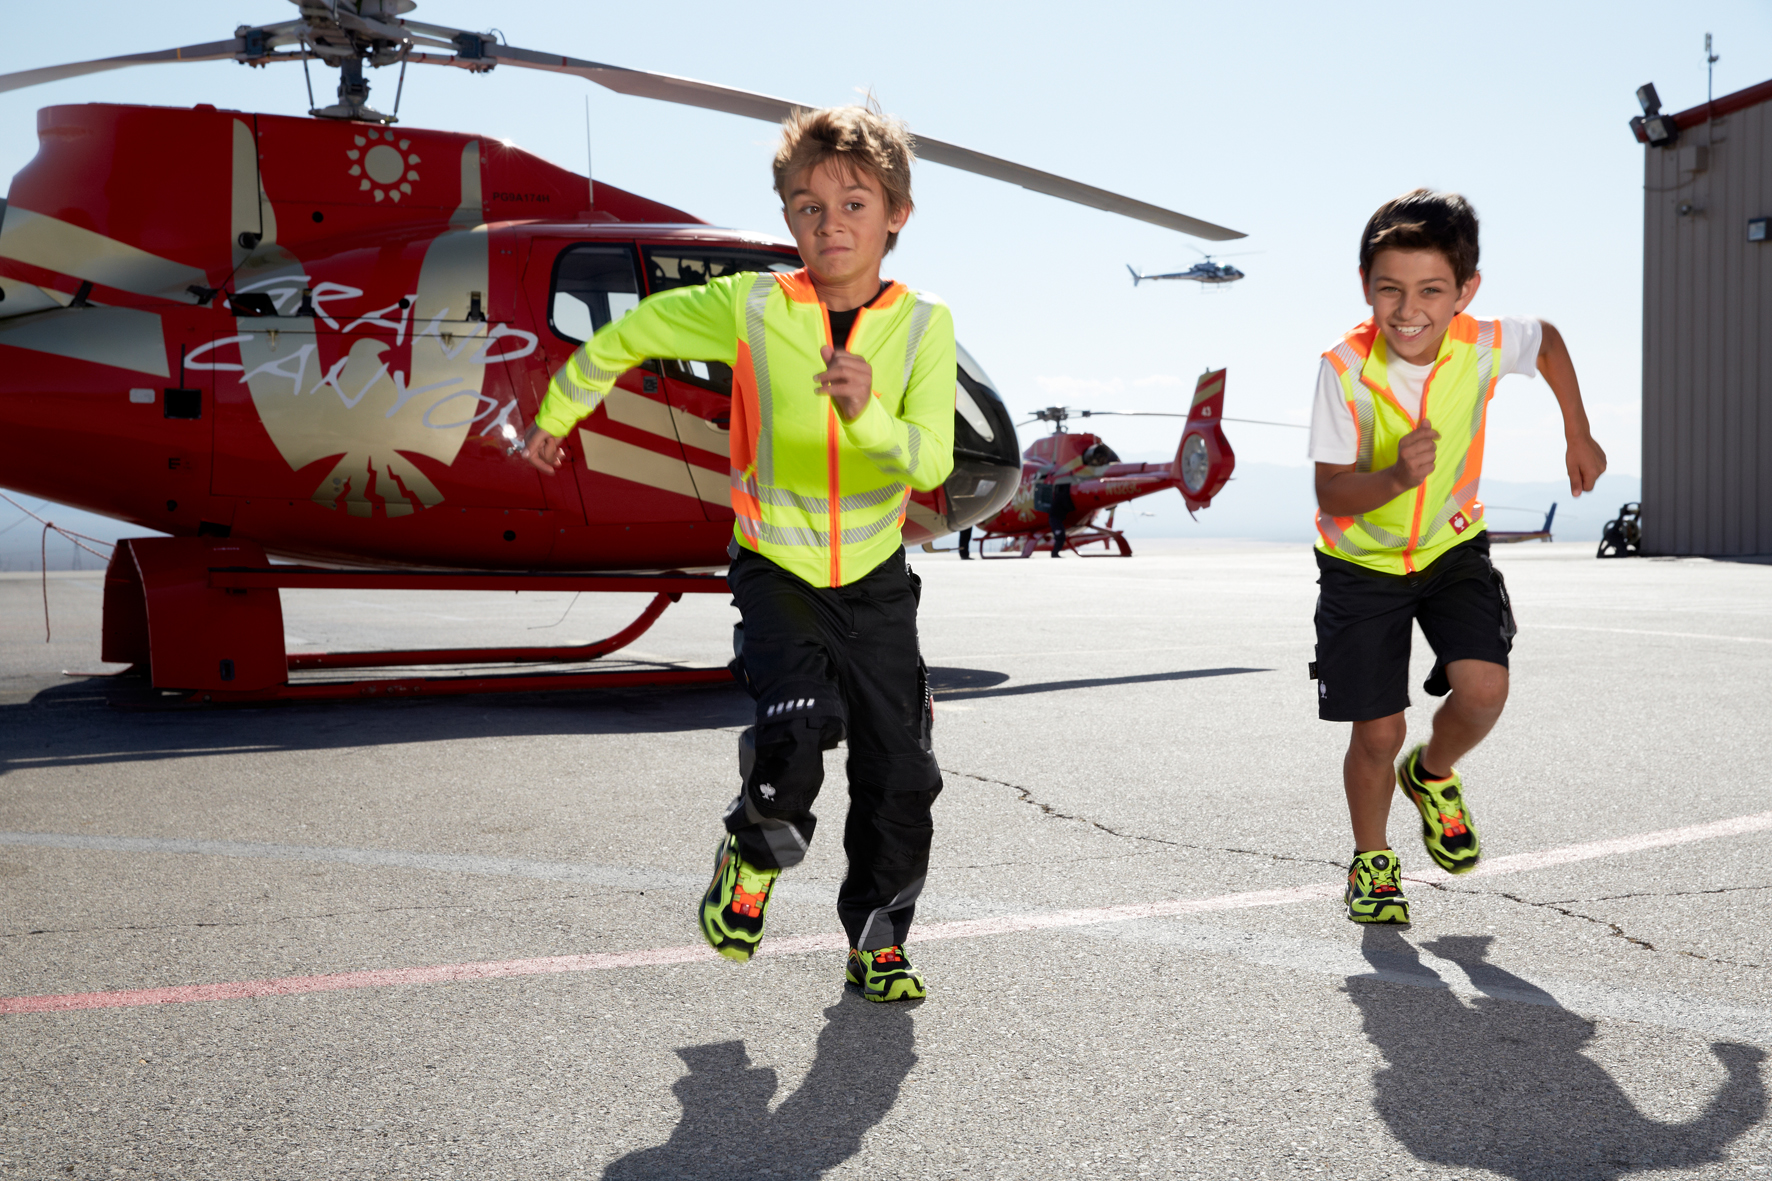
(1205, 272)
(1100, 483)
(321, 342)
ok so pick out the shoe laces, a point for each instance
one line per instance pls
(749, 902)
(1379, 881)
(893, 956)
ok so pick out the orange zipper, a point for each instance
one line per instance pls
(833, 517)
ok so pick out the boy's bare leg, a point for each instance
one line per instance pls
(1479, 691)
(1369, 773)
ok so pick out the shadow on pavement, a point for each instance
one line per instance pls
(967, 693)
(91, 722)
(1501, 1083)
(727, 1130)
(112, 720)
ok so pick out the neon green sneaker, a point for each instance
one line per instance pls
(1374, 890)
(1447, 827)
(884, 974)
(732, 910)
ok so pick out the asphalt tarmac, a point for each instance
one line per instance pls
(455, 938)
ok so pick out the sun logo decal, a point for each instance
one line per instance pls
(388, 176)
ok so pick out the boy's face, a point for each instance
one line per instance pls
(840, 219)
(1414, 298)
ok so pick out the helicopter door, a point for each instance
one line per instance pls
(628, 460)
(700, 392)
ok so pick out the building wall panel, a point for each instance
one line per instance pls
(1707, 339)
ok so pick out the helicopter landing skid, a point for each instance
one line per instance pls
(204, 617)
(1074, 540)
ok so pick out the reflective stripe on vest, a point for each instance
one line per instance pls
(1401, 536)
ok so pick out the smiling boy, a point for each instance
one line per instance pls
(1397, 436)
(843, 403)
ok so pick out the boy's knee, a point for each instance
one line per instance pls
(1380, 739)
(783, 762)
(1478, 685)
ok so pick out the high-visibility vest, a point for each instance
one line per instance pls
(823, 498)
(1406, 534)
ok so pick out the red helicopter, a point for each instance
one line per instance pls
(1098, 481)
(323, 340)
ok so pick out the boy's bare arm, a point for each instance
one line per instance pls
(1344, 492)
(1584, 459)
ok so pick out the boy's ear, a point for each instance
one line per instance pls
(1468, 292)
(896, 222)
(1365, 290)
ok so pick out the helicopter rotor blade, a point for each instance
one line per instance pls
(689, 92)
(1172, 414)
(478, 52)
(212, 51)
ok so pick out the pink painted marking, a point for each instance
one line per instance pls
(1568, 854)
(799, 945)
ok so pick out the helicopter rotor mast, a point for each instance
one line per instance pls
(347, 34)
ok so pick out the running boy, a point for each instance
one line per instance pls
(1402, 533)
(843, 402)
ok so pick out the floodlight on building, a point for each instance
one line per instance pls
(1756, 229)
(1652, 127)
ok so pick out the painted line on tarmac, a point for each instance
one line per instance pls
(609, 876)
(1635, 631)
(798, 945)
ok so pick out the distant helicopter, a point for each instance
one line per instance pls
(1205, 272)
(1100, 482)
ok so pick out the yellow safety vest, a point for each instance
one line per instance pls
(818, 496)
(1406, 534)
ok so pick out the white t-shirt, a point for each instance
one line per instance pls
(1334, 438)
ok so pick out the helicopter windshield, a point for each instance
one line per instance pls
(970, 366)
(964, 401)
(593, 285)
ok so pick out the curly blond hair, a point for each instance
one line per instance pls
(859, 138)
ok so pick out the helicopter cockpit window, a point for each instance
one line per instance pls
(674, 266)
(593, 285)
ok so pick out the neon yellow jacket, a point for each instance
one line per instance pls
(1406, 534)
(818, 496)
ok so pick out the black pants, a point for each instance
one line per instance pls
(1062, 506)
(828, 663)
(1365, 621)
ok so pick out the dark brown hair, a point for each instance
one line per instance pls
(1424, 220)
(863, 139)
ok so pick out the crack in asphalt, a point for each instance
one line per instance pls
(1027, 797)
(1614, 929)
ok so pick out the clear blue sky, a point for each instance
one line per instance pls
(1289, 121)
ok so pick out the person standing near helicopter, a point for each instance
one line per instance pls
(843, 403)
(1056, 488)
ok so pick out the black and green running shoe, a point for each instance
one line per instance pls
(732, 910)
(1374, 890)
(1447, 827)
(884, 974)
